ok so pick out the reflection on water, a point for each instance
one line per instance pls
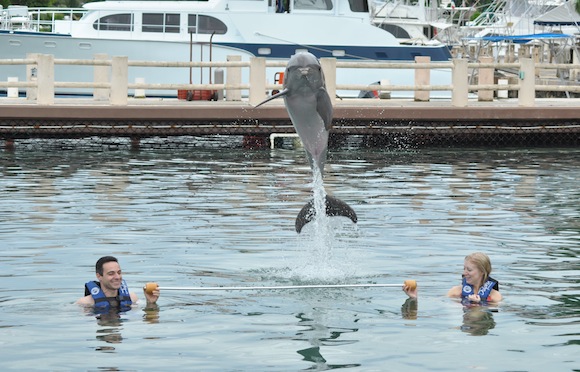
(210, 216)
(151, 313)
(477, 320)
(319, 335)
(409, 310)
(109, 331)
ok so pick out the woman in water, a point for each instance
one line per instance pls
(477, 286)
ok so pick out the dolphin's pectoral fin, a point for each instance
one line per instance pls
(324, 107)
(334, 207)
(279, 94)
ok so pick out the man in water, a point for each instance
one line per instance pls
(110, 292)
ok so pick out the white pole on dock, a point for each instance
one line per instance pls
(32, 76)
(12, 91)
(257, 80)
(329, 69)
(234, 77)
(45, 79)
(485, 77)
(139, 93)
(460, 83)
(119, 81)
(422, 78)
(527, 92)
(101, 75)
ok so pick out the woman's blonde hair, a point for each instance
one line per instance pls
(482, 262)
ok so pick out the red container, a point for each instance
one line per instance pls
(195, 95)
(182, 94)
(201, 95)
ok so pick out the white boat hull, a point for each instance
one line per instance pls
(248, 28)
(19, 45)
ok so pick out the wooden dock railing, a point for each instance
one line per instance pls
(41, 85)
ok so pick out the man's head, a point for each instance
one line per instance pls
(102, 261)
(109, 273)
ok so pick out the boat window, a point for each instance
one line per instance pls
(359, 6)
(203, 24)
(159, 22)
(313, 4)
(192, 23)
(172, 23)
(115, 22)
(398, 32)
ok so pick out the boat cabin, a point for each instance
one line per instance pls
(167, 20)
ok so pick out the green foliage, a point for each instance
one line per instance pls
(45, 3)
(30, 3)
(67, 3)
(476, 14)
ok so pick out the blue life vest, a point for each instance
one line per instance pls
(102, 303)
(484, 291)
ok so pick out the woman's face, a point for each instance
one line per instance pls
(472, 274)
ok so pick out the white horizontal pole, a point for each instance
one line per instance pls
(276, 287)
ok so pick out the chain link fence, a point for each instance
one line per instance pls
(143, 134)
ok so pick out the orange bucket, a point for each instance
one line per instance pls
(279, 78)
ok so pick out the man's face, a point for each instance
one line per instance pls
(112, 277)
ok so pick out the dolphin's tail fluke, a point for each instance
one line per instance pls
(334, 207)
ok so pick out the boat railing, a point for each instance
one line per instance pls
(111, 79)
(43, 19)
(492, 14)
(15, 17)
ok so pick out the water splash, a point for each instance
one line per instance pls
(322, 256)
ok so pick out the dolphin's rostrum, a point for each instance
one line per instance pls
(310, 110)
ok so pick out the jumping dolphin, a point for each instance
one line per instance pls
(310, 110)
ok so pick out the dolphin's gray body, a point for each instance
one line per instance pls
(310, 110)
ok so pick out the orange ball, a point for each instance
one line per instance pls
(412, 284)
(150, 287)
